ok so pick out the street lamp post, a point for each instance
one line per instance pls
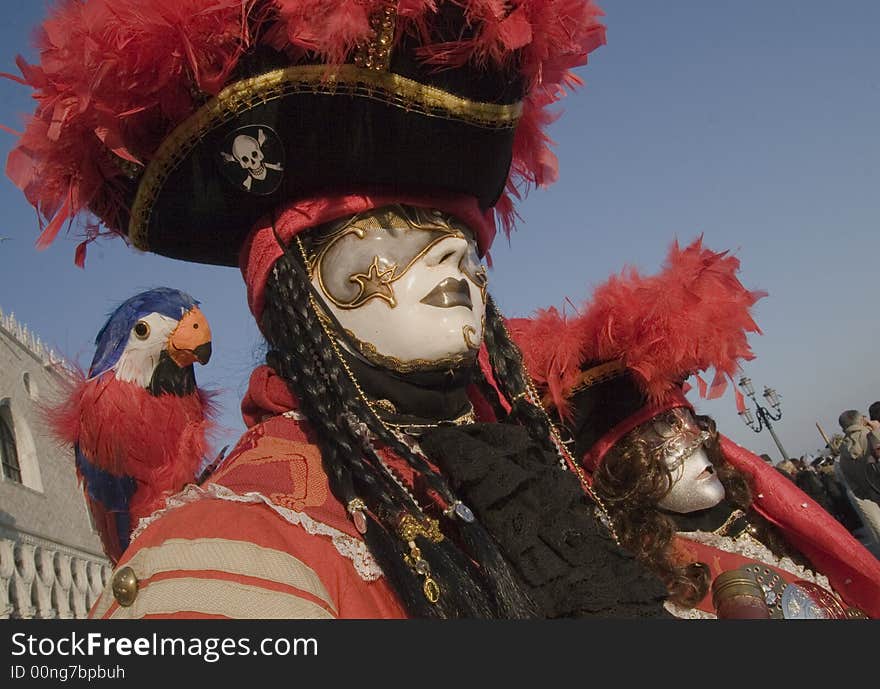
(764, 415)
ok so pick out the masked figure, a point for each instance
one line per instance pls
(356, 178)
(725, 532)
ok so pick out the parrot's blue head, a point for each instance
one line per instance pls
(152, 339)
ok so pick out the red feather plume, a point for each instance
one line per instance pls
(116, 76)
(692, 316)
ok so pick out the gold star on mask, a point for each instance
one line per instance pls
(376, 282)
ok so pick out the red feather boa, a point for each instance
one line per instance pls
(123, 429)
(119, 75)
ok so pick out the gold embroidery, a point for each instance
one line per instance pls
(599, 374)
(376, 54)
(470, 337)
(468, 417)
(377, 281)
(481, 280)
(725, 527)
(386, 406)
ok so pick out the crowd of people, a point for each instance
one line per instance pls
(845, 477)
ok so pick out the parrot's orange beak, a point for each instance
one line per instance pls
(191, 339)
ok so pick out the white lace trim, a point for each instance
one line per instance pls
(688, 613)
(755, 550)
(348, 546)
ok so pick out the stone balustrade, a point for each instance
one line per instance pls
(32, 342)
(39, 581)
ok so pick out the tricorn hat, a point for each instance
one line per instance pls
(181, 123)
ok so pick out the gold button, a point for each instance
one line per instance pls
(125, 586)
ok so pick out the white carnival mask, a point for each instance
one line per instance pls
(681, 443)
(406, 284)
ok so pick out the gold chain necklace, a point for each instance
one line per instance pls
(466, 418)
(414, 560)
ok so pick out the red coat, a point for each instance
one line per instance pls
(263, 538)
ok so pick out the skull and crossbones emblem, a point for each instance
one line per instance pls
(248, 152)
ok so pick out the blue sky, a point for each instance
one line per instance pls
(753, 123)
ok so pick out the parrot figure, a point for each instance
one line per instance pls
(137, 421)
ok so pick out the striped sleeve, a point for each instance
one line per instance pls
(228, 560)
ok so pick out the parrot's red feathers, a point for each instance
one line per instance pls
(121, 428)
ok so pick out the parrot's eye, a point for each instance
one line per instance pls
(142, 330)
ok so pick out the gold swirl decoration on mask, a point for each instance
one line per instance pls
(377, 281)
(375, 357)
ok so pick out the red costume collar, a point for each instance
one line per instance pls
(267, 395)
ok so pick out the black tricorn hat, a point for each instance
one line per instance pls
(186, 121)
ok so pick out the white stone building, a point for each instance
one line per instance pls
(51, 561)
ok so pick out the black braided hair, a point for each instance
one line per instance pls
(509, 372)
(474, 584)
(490, 393)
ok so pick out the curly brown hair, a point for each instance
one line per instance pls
(632, 478)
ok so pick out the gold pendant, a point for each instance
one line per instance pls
(432, 590)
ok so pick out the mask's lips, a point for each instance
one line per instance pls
(448, 293)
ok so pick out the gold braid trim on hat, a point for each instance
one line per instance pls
(592, 376)
(344, 80)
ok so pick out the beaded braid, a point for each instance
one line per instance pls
(511, 600)
(340, 447)
(318, 403)
(302, 355)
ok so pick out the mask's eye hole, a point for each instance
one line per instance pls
(142, 330)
